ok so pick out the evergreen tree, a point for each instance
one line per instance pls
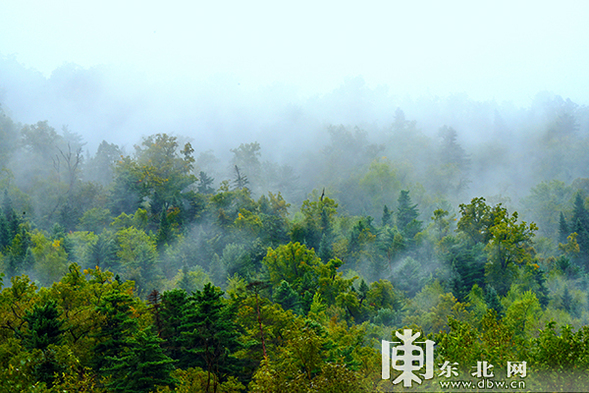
(5, 235)
(174, 306)
(386, 216)
(155, 307)
(286, 296)
(363, 291)
(451, 152)
(117, 327)
(581, 227)
(579, 212)
(405, 212)
(469, 267)
(204, 183)
(209, 335)
(11, 216)
(103, 253)
(165, 229)
(142, 367)
(19, 255)
(185, 283)
(45, 329)
(492, 300)
(567, 300)
(582, 241)
(241, 180)
(542, 292)
(407, 215)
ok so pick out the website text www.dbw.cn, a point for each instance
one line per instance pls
(483, 384)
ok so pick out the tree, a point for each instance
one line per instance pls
(319, 217)
(101, 167)
(166, 170)
(246, 162)
(580, 226)
(241, 181)
(580, 212)
(5, 235)
(118, 325)
(102, 253)
(407, 216)
(454, 163)
(286, 296)
(174, 306)
(293, 263)
(204, 183)
(45, 330)
(8, 136)
(476, 219)
(142, 367)
(51, 261)
(386, 216)
(210, 335)
(138, 258)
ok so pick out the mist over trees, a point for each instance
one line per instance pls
(313, 227)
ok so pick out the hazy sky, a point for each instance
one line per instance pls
(503, 50)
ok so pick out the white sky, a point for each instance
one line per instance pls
(503, 50)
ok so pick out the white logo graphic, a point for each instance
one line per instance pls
(448, 370)
(483, 370)
(514, 368)
(407, 358)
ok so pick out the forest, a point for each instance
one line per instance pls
(167, 268)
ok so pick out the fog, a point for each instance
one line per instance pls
(217, 114)
(450, 101)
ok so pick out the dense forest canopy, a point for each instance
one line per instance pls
(119, 263)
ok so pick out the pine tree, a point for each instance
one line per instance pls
(580, 213)
(165, 228)
(142, 367)
(45, 329)
(209, 335)
(20, 257)
(405, 212)
(174, 307)
(11, 216)
(582, 240)
(117, 327)
(386, 216)
(5, 236)
(567, 300)
(204, 183)
(103, 253)
(286, 296)
(492, 300)
(185, 283)
(241, 181)
(407, 215)
(155, 307)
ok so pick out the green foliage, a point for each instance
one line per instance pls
(209, 335)
(137, 256)
(51, 260)
(303, 286)
(142, 366)
(44, 332)
(407, 215)
(197, 380)
(117, 327)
